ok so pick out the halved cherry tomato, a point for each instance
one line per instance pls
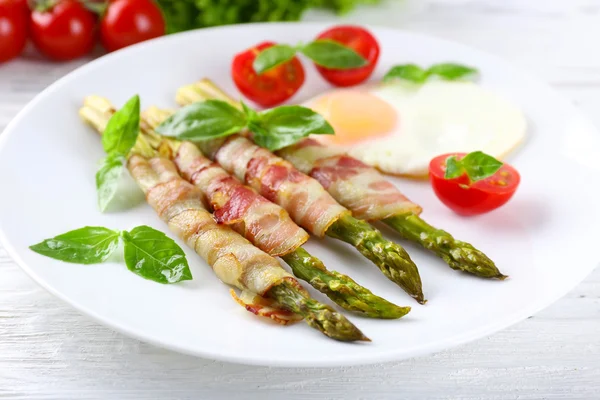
(471, 198)
(271, 87)
(361, 41)
(128, 22)
(65, 31)
(14, 19)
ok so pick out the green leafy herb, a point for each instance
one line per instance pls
(280, 127)
(416, 74)
(148, 252)
(204, 120)
(152, 255)
(330, 54)
(272, 57)
(409, 72)
(107, 179)
(451, 71)
(324, 52)
(273, 129)
(123, 128)
(477, 165)
(89, 245)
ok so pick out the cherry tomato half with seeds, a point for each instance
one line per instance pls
(128, 22)
(471, 198)
(63, 32)
(271, 87)
(359, 40)
(14, 21)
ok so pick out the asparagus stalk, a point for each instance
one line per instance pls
(341, 288)
(317, 315)
(458, 255)
(96, 113)
(338, 287)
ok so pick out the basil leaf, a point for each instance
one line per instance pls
(479, 165)
(272, 57)
(409, 72)
(331, 54)
(282, 126)
(454, 168)
(89, 245)
(123, 128)
(451, 71)
(107, 179)
(203, 120)
(154, 256)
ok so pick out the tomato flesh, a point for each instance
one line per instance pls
(271, 87)
(128, 22)
(64, 32)
(471, 198)
(14, 19)
(361, 41)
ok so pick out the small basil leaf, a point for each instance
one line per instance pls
(409, 72)
(454, 168)
(123, 128)
(479, 165)
(251, 115)
(283, 126)
(89, 245)
(272, 57)
(107, 179)
(451, 71)
(203, 120)
(331, 54)
(152, 255)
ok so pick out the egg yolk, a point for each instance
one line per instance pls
(355, 116)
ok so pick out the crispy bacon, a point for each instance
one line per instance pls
(234, 259)
(265, 224)
(264, 307)
(357, 186)
(277, 180)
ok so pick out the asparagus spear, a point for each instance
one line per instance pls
(338, 287)
(317, 315)
(457, 254)
(341, 288)
(292, 298)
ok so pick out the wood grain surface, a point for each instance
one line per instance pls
(50, 351)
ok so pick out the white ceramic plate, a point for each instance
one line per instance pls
(545, 238)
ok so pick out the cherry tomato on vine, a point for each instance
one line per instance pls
(271, 87)
(14, 21)
(361, 41)
(63, 32)
(128, 22)
(466, 197)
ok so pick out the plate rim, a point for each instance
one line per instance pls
(349, 360)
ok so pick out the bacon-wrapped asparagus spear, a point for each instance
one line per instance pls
(366, 192)
(262, 222)
(233, 259)
(309, 205)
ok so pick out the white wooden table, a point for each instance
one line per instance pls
(49, 351)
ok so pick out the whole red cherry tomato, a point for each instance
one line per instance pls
(273, 86)
(14, 20)
(471, 198)
(361, 41)
(128, 22)
(63, 32)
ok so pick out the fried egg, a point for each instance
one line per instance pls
(399, 127)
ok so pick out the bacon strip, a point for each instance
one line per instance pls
(264, 223)
(354, 184)
(234, 260)
(309, 205)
